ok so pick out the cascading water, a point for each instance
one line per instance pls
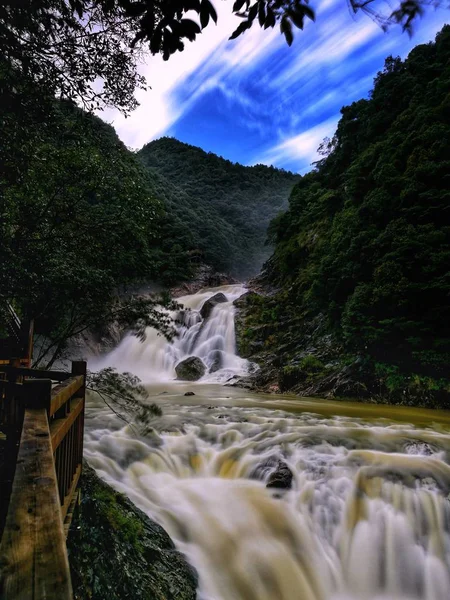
(367, 516)
(155, 358)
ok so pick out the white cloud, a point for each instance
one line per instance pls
(210, 58)
(300, 148)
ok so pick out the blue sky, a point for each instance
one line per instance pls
(255, 100)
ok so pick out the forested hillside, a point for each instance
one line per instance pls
(80, 220)
(363, 253)
(224, 206)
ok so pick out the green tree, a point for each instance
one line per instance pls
(366, 239)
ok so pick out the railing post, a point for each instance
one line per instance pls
(79, 367)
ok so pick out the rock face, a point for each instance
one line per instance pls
(208, 306)
(117, 552)
(190, 369)
(205, 277)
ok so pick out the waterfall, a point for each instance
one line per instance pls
(366, 515)
(211, 339)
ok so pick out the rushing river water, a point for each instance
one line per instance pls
(368, 514)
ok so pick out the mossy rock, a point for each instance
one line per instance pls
(117, 552)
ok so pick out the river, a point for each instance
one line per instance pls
(368, 513)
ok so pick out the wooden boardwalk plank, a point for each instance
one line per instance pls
(33, 555)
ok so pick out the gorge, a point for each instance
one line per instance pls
(364, 516)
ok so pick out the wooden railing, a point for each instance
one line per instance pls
(44, 423)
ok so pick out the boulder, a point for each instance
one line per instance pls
(189, 394)
(190, 369)
(281, 477)
(208, 306)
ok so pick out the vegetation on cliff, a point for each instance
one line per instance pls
(364, 249)
(117, 552)
(79, 222)
(221, 209)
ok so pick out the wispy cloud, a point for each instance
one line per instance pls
(256, 100)
(301, 148)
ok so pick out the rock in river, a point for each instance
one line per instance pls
(190, 369)
(281, 477)
(208, 306)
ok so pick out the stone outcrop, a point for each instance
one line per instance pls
(117, 552)
(208, 306)
(190, 369)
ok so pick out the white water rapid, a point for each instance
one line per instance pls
(368, 513)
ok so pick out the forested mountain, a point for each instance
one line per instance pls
(364, 250)
(79, 220)
(224, 206)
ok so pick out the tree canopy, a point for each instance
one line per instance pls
(366, 239)
(88, 50)
(219, 208)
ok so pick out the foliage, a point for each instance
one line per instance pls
(366, 239)
(66, 46)
(79, 225)
(125, 395)
(219, 208)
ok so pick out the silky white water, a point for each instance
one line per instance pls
(367, 516)
(155, 358)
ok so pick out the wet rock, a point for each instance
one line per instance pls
(216, 358)
(189, 394)
(190, 369)
(418, 448)
(116, 551)
(281, 477)
(275, 471)
(205, 277)
(208, 306)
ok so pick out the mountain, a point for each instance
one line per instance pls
(224, 207)
(362, 254)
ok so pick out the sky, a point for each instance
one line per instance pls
(257, 100)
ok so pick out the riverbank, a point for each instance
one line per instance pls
(302, 356)
(117, 552)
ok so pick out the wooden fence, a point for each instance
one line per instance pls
(42, 414)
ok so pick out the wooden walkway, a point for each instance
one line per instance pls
(42, 421)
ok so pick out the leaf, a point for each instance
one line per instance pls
(212, 12)
(204, 14)
(253, 12)
(136, 9)
(238, 5)
(286, 29)
(270, 18)
(187, 28)
(192, 5)
(262, 13)
(138, 37)
(240, 29)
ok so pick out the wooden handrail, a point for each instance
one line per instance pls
(64, 391)
(33, 555)
(36, 373)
